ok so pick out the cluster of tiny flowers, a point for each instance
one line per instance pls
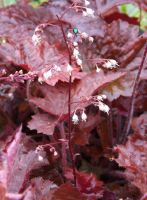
(36, 39)
(86, 36)
(18, 76)
(110, 64)
(75, 48)
(98, 101)
(88, 12)
(75, 118)
(53, 150)
(76, 55)
(39, 153)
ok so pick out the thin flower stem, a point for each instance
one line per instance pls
(64, 156)
(110, 125)
(131, 109)
(69, 105)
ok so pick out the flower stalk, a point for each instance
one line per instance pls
(132, 103)
(69, 104)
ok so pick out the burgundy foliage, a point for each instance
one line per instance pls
(37, 153)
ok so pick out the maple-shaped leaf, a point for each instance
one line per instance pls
(120, 87)
(42, 189)
(89, 186)
(18, 160)
(124, 86)
(54, 101)
(43, 123)
(67, 192)
(132, 155)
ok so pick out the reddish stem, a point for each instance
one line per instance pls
(63, 136)
(69, 105)
(131, 109)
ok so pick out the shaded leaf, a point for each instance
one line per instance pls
(132, 155)
(67, 192)
(89, 186)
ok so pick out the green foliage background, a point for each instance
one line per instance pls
(133, 11)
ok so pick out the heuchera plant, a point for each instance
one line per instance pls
(73, 101)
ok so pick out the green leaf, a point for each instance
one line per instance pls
(9, 2)
(134, 11)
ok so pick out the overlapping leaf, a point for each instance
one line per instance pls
(132, 155)
(55, 100)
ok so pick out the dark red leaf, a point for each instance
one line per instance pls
(132, 155)
(67, 192)
(89, 186)
(117, 15)
(55, 100)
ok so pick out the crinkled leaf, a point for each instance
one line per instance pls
(43, 189)
(55, 100)
(89, 186)
(67, 192)
(43, 123)
(132, 155)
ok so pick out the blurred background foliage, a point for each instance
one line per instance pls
(129, 9)
(134, 11)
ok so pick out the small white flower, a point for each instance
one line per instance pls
(107, 65)
(89, 12)
(57, 68)
(84, 13)
(20, 72)
(75, 44)
(97, 69)
(87, 3)
(40, 80)
(101, 97)
(113, 62)
(69, 68)
(76, 53)
(104, 96)
(47, 74)
(84, 116)
(91, 39)
(36, 39)
(69, 35)
(103, 107)
(79, 61)
(75, 119)
(55, 153)
(110, 64)
(84, 35)
(40, 158)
